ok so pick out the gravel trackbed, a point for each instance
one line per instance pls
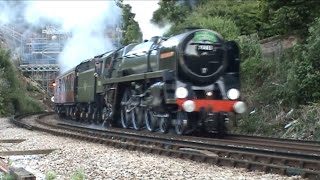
(103, 162)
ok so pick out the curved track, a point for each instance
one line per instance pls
(288, 157)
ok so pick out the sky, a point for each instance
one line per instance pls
(144, 10)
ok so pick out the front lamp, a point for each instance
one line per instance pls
(181, 92)
(233, 94)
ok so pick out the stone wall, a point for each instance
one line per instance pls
(273, 47)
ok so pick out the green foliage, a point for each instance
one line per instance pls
(172, 11)
(266, 81)
(250, 47)
(51, 175)
(13, 97)
(3, 91)
(7, 177)
(131, 30)
(305, 123)
(78, 175)
(290, 16)
(301, 123)
(263, 122)
(225, 27)
(307, 67)
(275, 85)
(265, 17)
(245, 14)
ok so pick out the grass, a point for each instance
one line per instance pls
(78, 175)
(306, 123)
(7, 177)
(51, 175)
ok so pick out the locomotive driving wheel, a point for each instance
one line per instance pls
(150, 120)
(106, 117)
(88, 116)
(82, 115)
(126, 112)
(73, 113)
(67, 112)
(96, 116)
(181, 124)
(137, 117)
(164, 124)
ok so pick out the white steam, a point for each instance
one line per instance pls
(86, 21)
(144, 12)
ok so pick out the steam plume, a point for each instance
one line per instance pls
(85, 20)
(144, 11)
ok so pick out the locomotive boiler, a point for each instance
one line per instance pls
(188, 82)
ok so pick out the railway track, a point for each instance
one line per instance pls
(264, 154)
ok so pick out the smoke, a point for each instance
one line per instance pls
(86, 21)
(7, 13)
(144, 12)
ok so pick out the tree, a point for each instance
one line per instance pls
(170, 12)
(307, 66)
(131, 30)
(290, 16)
(245, 14)
(13, 98)
(226, 27)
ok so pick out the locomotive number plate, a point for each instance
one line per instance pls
(205, 47)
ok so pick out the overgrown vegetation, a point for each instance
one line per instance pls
(283, 92)
(78, 175)
(7, 177)
(131, 30)
(290, 16)
(13, 94)
(51, 175)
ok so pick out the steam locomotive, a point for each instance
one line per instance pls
(186, 83)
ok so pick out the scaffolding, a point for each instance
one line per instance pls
(36, 53)
(37, 50)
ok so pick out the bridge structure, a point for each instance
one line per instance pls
(37, 51)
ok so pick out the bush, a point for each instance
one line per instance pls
(13, 98)
(272, 87)
(245, 14)
(305, 123)
(51, 175)
(305, 72)
(223, 26)
(226, 27)
(78, 175)
(7, 177)
(264, 121)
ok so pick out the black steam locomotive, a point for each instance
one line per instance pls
(188, 82)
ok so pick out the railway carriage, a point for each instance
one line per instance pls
(188, 82)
